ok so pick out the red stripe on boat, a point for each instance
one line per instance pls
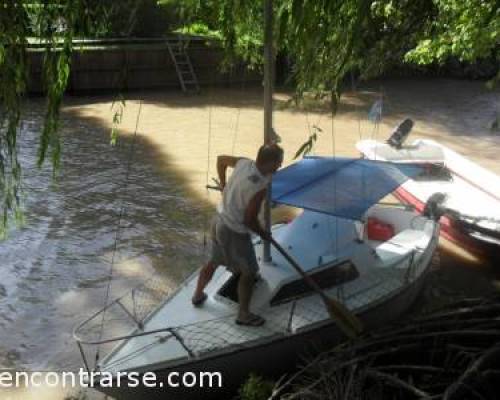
(447, 229)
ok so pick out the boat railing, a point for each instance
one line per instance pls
(125, 317)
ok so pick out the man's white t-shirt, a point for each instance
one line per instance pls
(245, 181)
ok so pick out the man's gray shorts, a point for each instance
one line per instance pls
(232, 249)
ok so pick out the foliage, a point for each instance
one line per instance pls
(323, 39)
(200, 29)
(13, 75)
(308, 145)
(52, 25)
(56, 23)
(467, 30)
(213, 19)
(256, 388)
(140, 18)
(326, 39)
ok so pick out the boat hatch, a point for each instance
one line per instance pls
(331, 276)
(229, 289)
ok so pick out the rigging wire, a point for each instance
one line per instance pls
(381, 99)
(237, 122)
(334, 153)
(207, 172)
(119, 225)
(375, 115)
(354, 90)
(119, 79)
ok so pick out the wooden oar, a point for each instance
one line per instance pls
(347, 321)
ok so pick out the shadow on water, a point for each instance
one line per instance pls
(56, 269)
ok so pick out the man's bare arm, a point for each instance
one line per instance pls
(251, 219)
(223, 162)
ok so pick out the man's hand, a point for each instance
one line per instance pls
(265, 235)
(220, 184)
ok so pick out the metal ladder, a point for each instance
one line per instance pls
(178, 53)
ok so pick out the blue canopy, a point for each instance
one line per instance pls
(344, 187)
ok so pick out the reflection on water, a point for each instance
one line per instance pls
(56, 269)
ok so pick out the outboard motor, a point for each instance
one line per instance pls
(400, 134)
(434, 208)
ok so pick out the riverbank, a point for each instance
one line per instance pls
(108, 65)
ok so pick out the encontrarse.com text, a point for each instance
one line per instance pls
(82, 378)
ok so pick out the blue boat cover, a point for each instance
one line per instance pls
(344, 187)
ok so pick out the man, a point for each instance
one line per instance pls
(237, 216)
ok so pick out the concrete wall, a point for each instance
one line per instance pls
(137, 64)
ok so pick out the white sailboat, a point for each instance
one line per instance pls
(376, 278)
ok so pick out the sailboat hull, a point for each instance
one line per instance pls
(271, 357)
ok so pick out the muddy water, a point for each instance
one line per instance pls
(55, 270)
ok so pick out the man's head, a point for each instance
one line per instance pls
(269, 158)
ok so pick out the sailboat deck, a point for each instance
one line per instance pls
(177, 332)
(211, 334)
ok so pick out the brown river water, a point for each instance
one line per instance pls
(54, 271)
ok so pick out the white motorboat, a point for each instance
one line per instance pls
(471, 194)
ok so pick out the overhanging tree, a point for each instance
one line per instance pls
(328, 38)
(325, 39)
(53, 25)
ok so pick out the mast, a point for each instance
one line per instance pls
(268, 107)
